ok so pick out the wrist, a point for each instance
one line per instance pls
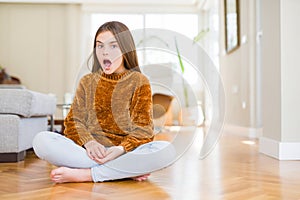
(89, 142)
(121, 148)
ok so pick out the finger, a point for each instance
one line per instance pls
(112, 153)
(56, 177)
(102, 150)
(141, 178)
(90, 154)
(108, 152)
(109, 156)
(138, 179)
(105, 159)
(101, 160)
(98, 153)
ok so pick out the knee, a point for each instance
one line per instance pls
(40, 142)
(159, 145)
(39, 138)
(166, 149)
(166, 154)
(171, 151)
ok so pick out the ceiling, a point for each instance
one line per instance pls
(160, 5)
(132, 2)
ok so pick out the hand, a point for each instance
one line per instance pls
(112, 153)
(95, 150)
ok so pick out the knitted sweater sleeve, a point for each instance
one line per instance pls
(75, 122)
(141, 113)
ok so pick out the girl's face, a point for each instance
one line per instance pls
(109, 53)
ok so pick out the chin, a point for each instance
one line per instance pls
(108, 72)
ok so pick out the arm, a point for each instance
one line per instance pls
(141, 118)
(76, 123)
(76, 120)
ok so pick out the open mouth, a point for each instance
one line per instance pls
(107, 63)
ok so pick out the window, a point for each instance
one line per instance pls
(140, 21)
(132, 21)
(160, 21)
(185, 24)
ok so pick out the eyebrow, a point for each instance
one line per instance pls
(114, 41)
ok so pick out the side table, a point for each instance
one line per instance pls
(60, 122)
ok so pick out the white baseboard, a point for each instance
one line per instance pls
(279, 150)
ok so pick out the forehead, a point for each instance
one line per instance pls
(106, 37)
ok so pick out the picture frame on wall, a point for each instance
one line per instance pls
(232, 27)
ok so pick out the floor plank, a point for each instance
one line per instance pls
(234, 170)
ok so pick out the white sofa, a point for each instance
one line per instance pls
(23, 114)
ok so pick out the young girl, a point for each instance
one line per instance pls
(109, 129)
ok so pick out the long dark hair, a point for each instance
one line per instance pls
(125, 41)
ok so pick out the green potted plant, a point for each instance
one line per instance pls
(186, 109)
(196, 39)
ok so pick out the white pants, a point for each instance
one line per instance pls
(62, 151)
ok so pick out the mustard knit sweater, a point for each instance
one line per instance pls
(113, 109)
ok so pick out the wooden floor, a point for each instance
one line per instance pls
(234, 170)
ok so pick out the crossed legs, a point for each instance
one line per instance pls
(76, 166)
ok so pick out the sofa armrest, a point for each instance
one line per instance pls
(26, 103)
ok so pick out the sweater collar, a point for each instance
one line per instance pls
(115, 76)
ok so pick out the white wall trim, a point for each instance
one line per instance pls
(279, 150)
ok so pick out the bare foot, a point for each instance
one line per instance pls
(141, 178)
(65, 174)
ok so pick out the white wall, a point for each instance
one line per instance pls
(40, 45)
(280, 49)
(271, 80)
(238, 69)
(281, 69)
(290, 70)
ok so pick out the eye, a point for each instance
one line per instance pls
(113, 46)
(100, 46)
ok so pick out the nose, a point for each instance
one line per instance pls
(103, 50)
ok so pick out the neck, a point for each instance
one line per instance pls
(116, 76)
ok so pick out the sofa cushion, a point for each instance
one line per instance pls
(26, 103)
(12, 86)
(17, 133)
